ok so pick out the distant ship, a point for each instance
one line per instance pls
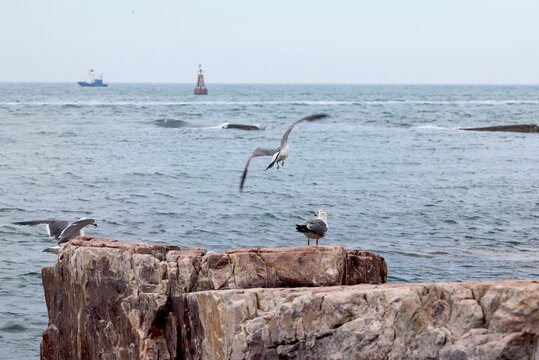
(95, 80)
(201, 88)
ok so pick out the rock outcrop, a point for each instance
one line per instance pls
(524, 128)
(495, 320)
(242, 127)
(117, 300)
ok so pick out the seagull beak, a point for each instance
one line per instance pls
(94, 224)
(316, 214)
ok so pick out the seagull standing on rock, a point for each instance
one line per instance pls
(315, 229)
(282, 152)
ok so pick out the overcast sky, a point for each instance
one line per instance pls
(361, 42)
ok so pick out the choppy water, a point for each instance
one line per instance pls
(150, 163)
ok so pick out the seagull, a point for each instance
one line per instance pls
(315, 229)
(281, 153)
(60, 230)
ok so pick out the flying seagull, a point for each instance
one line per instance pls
(60, 230)
(315, 229)
(281, 153)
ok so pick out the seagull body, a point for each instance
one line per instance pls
(279, 154)
(315, 229)
(60, 230)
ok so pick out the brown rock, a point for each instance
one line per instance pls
(423, 321)
(115, 300)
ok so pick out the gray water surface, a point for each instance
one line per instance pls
(150, 163)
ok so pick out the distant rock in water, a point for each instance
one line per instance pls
(524, 128)
(242, 127)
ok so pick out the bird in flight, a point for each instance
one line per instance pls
(282, 152)
(61, 230)
(315, 229)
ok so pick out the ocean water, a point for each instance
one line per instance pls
(151, 163)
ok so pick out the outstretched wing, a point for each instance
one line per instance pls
(54, 227)
(33, 222)
(308, 118)
(74, 230)
(256, 153)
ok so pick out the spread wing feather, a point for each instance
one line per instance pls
(258, 152)
(54, 227)
(308, 118)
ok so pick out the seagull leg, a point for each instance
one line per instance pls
(277, 164)
(316, 242)
(308, 242)
(282, 163)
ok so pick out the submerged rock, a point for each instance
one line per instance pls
(242, 127)
(118, 300)
(525, 128)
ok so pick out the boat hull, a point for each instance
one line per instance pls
(87, 84)
(201, 91)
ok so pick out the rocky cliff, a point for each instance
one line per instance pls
(116, 300)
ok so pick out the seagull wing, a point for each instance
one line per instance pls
(256, 153)
(308, 118)
(54, 227)
(74, 230)
(285, 136)
(317, 226)
(33, 222)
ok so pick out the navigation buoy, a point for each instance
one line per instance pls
(201, 88)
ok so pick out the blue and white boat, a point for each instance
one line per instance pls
(94, 80)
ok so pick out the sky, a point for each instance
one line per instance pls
(293, 41)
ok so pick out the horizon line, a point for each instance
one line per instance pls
(278, 83)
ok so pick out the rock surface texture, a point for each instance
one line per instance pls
(116, 300)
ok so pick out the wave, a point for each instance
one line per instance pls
(287, 102)
(220, 126)
(171, 123)
(435, 127)
(13, 328)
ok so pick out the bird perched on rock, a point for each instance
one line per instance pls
(279, 154)
(315, 229)
(60, 230)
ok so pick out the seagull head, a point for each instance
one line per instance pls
(321, 214)
(87, 221)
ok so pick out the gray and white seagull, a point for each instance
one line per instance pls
(60, 230)
(282, 152)
(315, 229)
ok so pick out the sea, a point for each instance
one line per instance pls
(153, 163)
